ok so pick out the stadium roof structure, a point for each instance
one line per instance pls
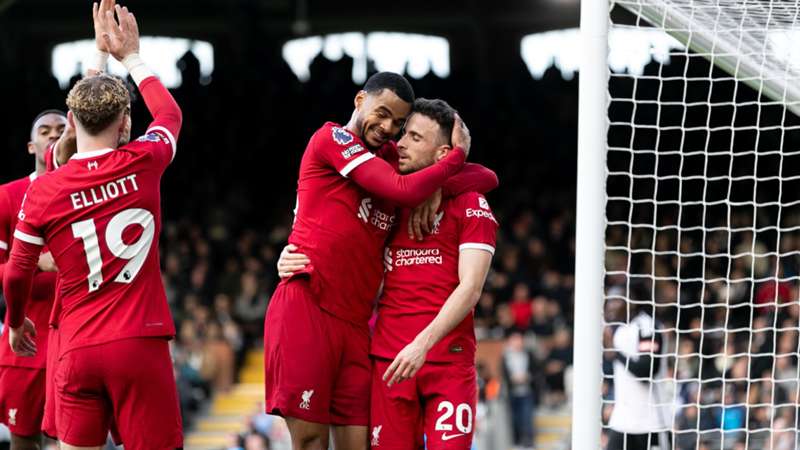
(298, 17)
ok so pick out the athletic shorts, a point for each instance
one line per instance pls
(317, 366)
(49, 420)
(129, 383)
(647, 441)
(22, 399)
(439, 402)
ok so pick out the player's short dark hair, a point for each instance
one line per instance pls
(44, 113)
(439, 111)
(392, 81)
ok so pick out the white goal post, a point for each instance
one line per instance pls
(688, 205)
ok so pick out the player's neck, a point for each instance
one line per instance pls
(352, 127)
(87, 143)
(40, 167)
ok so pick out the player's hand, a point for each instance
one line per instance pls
(406, 364)
(22, 338)
(121, 35)
(289, 262)
(423, 218)
(98, 12)
(461, 137)
(47, 263)
(66, 146)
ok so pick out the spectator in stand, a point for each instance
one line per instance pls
(251, 303)
(521, 306)
(217, 367)
(555, 367)
(519, 374)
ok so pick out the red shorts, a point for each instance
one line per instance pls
(317, 366)
(439, 402)
(129, 382)
(22, 399)
(49, 420)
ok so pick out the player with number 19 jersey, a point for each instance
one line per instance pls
(100, 215)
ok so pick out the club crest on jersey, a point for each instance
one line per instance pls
(341, 136)
(376, 435)
(436, 222)
(364, 209)
(12, 416)
(306, 403)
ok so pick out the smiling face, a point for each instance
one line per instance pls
(380, 116)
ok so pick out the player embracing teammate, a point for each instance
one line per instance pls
(430, 288)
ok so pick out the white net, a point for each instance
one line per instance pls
(703, 228)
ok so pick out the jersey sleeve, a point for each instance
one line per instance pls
(30, 218)
(478, 228)
(161, 137)
(18, 279)
(338, 148)
(473, 177)
(50, 160)
(28, 243)
(638, 349)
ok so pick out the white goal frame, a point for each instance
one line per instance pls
(724, 51)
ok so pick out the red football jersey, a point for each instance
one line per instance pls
(50, 158)
(340, 226)
(43, 291)
(420, 276)
(100, 215)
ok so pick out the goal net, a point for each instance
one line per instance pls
(702, 230)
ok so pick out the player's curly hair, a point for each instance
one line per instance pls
(440, 111)
(96, 101)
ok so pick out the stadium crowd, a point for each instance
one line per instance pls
(720, 272)
(734, 337)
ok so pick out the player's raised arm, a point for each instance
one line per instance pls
(351, 159)
(472, 178)
(66, 146)
(122, 40)
(379, 178)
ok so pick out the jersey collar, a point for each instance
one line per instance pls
(92, 154)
